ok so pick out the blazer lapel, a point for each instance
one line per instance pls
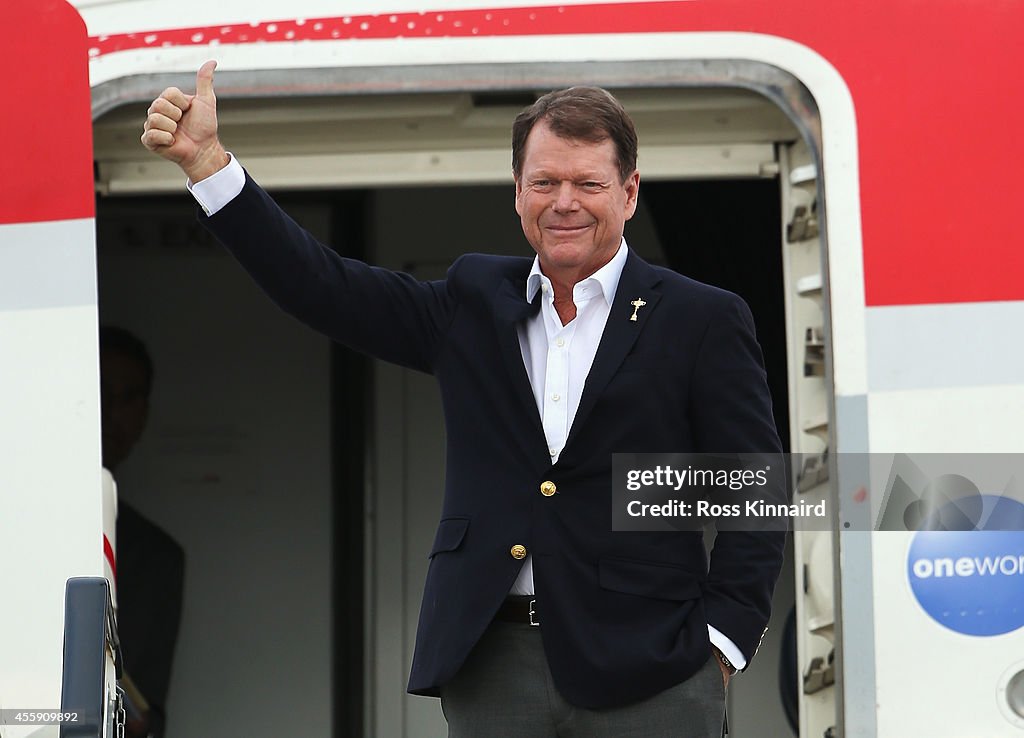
(510, 309)
(638, 282)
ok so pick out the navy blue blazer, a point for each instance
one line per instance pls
(625, 614)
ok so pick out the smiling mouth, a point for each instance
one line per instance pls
(567, 229)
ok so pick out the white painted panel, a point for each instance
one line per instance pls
(50, 490)
(46, 265)
(950, 420)
(955, 345)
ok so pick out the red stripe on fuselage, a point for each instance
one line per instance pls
(108, 554)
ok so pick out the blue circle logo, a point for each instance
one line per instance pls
(970, 579)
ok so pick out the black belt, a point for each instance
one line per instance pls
(518, 609)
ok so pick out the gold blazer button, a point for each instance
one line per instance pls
(518, 552)
(548, 488)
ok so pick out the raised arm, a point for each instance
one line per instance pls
(385, 314)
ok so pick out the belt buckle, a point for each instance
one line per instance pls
(532, 613)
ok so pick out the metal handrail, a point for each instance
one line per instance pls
(90, 630)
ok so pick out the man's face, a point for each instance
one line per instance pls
(572, 203)
(124, 404)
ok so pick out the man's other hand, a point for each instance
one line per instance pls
(183, 128)
(726, 672)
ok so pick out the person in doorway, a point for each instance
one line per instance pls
(150, 563)
(537, 618)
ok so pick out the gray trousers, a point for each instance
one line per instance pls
(504, 690)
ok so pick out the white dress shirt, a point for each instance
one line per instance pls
(219, 188)
(557, 357)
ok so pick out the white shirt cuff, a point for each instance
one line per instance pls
(219, 188)
(720, 641)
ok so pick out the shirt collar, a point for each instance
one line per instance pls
(607, 276)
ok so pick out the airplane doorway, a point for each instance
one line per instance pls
(265, 436)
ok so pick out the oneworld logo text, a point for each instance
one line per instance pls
(966, 566)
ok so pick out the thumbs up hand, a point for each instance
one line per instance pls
(183, 128)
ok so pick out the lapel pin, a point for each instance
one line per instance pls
(637, 304)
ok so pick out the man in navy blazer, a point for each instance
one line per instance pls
(546, 367)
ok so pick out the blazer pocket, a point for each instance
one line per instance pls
(450, 532)
(648, 579)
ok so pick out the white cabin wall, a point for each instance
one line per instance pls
(235, 465)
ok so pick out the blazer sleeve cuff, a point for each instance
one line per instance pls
(732, 652)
